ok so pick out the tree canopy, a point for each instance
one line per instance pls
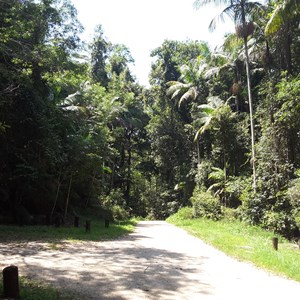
(77, 130)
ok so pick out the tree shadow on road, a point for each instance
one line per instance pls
(120, 269)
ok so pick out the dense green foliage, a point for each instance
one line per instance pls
(77, 130)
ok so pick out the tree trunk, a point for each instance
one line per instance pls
(253, 156)
(128, 180)
(224, 168)
(287, 49)
(68, 197)
(198, 152)
(91, 189)
(56, 197)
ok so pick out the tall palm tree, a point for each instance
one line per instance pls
(240, 12)
(190, 82)
(206, 114)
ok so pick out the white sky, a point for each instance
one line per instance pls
(143, 25)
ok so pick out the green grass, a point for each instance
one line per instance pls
(34, 290)
(247, 243)
(50, 233)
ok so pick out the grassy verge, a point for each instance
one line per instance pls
(34, 290)
(98, 231)
(44, 233)
(247, 243)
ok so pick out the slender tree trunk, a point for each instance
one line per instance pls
(128, 180)
(287, 49)
(56, 196)
(224, 168)
(198, 153)
(112, 181)
(90, 191)
(253, 156)
(68, 197)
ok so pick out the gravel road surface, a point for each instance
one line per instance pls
(157, 261)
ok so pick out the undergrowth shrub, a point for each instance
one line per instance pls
(119, 213)
(115, 204)
(296, 216)
(234, 189)
(206, 205)
(279, 222)
(185, 213)
(231, 214)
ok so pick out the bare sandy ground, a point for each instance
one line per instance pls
(157, 261)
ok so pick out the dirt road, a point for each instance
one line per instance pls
(157, 261)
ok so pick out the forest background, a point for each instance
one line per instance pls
(216, 131)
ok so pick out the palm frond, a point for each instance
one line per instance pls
(217, 185)
(214, 102)
(211, 72)
(249, 9)
(190, 94)
(206, 108)
(252, 7)
(203, 120)
(217, 174)
(176, 85)
(274, 23)
(204, 127)
(213, 24)
(228, 11)
(200, 3)
(283, 11)
(176, 94)
(170, 83)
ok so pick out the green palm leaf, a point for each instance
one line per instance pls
(282, 12)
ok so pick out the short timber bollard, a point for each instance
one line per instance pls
(299, 244)
(106, 222)
(275, 243)
(87, 226)
(76, 222)
(11, 287)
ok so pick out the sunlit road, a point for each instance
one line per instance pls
(157, 261)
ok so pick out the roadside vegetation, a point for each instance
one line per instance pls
(216, 130)
(54, 237)
(243, 241)
(217, 126)
(99, 230)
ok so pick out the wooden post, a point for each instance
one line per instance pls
(275, 243)
(11, 287)
(106, 223)
(76, 222)
(299, 243)
(87, 226)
